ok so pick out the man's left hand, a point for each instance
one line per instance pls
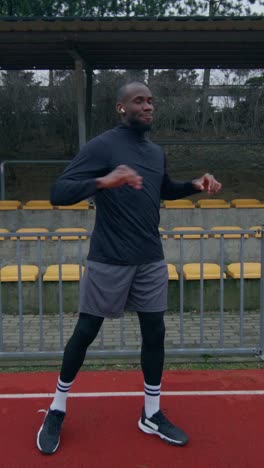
(207, 183)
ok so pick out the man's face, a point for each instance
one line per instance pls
(138, 107)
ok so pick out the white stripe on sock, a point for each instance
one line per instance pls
(61, 394)
(152, 399)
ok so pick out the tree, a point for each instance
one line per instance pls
(31, 7)
(19, 109)
(152, 8)
(95, 8)
(250, 110)
(216, 8)
(175, 101)
(61, 110)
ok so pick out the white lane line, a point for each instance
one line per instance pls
(130, 394)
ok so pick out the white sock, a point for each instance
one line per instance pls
(152, 399)
(62, 391)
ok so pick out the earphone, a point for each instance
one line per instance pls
(122, 110)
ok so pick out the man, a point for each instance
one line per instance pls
(125, 269)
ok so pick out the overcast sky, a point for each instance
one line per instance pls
(256, 8)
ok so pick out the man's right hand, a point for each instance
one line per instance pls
(121, 175)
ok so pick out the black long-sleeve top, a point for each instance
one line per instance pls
(127, 220)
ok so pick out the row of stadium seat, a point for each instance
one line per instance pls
(256, 234)
(215, 203)
(85, 205)
(36, 230)
(4, 231)
(45, 230)
(193, 271)
(71, 272)
(41, 205)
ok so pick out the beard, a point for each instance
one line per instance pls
(140, 126)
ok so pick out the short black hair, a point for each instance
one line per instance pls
(122, 91)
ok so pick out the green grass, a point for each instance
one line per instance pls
(124, 366)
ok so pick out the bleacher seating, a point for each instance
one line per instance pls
(57, 219)
(3, 231)
(192, 271)
(38, 205)
(178, 204)
(83, 205)
(172, 272)
(10, 273)
(164, 236)
(228, 228)
(30, 230)
(69, 272)
(252, 270)
(205, 203)
(10, 204)
(212, 203)
(75, 251)
(65, 230)
(246, 203)
(189, 236)
(257, 235)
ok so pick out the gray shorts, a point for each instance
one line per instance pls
(108, 290)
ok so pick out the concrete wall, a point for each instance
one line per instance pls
(207, 218)
(169, 218)
(50, 219)
(72, 251)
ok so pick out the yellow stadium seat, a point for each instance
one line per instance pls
(189, 236)
(252, 270)
(211, 271)
(83, 205)
(227, 228)
(30, 230)
(172, 272)
(9, 273)
(10, 204)
(212, 203)
(38, 205)
(165, 236)
(178, 204)
(70, 237)
(3, 231)
(69, 272)
(246, 203)
(255, 234)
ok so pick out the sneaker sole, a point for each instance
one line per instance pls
(39, 446)
(148, 430)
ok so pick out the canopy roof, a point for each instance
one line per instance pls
(132, 43)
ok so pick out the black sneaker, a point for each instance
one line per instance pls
(48, 438)
(158, 424)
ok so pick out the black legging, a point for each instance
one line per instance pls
(152, 350)
(85, 332)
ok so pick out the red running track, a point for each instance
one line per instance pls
(101, 432)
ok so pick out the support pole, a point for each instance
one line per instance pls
(262, 294)
(89, 100)
(80, 92)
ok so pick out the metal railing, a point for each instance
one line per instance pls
(36, 318)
